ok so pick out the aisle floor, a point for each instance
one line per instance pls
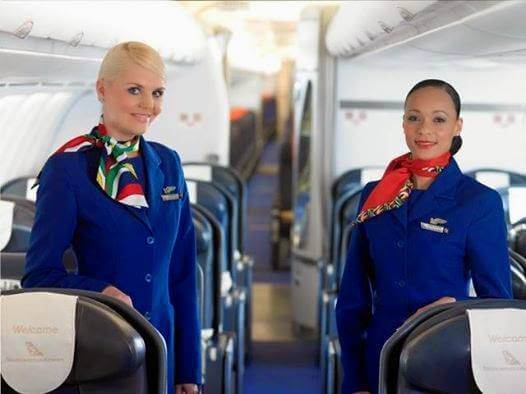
(281, 361)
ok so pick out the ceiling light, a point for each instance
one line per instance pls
(24, 29)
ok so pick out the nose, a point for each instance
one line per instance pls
(147, 102)
(424, 128)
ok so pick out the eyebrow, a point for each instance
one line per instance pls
(435, 111)
(138, 84)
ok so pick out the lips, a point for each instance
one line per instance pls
(425, 144)
(143, 118)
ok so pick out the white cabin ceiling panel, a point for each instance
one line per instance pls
(164, 25)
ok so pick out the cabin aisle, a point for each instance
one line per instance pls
(282, 362)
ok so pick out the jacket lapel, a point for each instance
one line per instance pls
(441, 191)
(155, 178)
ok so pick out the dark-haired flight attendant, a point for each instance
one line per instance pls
(122, 203)
(422, 232)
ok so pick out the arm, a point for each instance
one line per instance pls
(52, 232)
(353, 309)
(183, 296)
(487, 250)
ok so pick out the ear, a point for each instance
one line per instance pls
(100, 89)
(458, 128)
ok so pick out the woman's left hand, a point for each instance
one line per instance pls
(186, 388)
(443, 300)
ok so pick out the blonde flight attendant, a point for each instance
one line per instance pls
(102, 194)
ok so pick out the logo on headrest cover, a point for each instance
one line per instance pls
(33, 350)
(509, 359)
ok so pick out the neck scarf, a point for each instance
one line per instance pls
(394, 188)
(115, 175)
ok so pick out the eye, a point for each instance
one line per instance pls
(134, 90)
(439, 119)
(412, 118)
(158, 93)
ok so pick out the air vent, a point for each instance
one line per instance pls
(24, 30)
(75, 41)
(370, 35)
(385, 27)
(406, 15)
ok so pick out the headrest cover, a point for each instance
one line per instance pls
(6, 222)
(38, 340)
(198, 172)
(498, 349)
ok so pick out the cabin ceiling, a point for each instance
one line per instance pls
(261, 33)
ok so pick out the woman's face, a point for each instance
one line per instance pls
(131, 101)
(430, 123)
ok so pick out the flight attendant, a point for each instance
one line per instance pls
(122, 203)
(421, 233)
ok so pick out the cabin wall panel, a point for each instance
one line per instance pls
(375, 136)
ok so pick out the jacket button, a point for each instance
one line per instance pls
(401, 283)
(150, 240)
(400, 244)
(147, 315)
(148, 278)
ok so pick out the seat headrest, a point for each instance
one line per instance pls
(7, 209)
(105, 345)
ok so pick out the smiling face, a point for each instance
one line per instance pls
(131, 101)
(430, 122)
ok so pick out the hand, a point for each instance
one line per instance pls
(186, 388)
(112, 291)
(443, 300)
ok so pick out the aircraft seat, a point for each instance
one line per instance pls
(125, 354)
(23, 217)
(437, 337)
(20, 187)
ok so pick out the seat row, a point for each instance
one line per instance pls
(218, 201)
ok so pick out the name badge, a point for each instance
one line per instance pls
(170, 195)
(434, 227)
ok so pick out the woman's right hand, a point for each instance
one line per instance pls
(112, 291)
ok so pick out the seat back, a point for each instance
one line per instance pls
(436, 355)
(23, 219)
(21, 187)
(126, 354)
(205, 259)
(232, 182)
(217, 268)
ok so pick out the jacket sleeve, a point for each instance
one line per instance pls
(487, 249)
(52, 233)
(183, 296)
(353, 308)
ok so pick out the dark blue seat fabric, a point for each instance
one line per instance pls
(205, 260)
(214, 200)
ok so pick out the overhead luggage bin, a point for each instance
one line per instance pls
(115, 349)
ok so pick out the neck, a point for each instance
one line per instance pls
(118, 135)
(422, 182)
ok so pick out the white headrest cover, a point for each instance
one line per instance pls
(498, 349)
(38, 340)
(31, 193)
(198, 172)
(192, 191)
(6, 222)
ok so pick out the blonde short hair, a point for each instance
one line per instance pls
(118, 57)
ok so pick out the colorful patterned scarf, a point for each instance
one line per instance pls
(394, 188)
(115, 175)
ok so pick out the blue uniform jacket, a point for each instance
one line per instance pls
(394, 266)
(148, 255)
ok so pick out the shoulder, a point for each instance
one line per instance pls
(368, 188)
(478, 194)
(165, 153)
(62, 163)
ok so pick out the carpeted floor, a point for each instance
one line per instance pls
(281, 363)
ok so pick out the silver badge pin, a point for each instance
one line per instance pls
(434, 227)
(437, 221)
(168, 189)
